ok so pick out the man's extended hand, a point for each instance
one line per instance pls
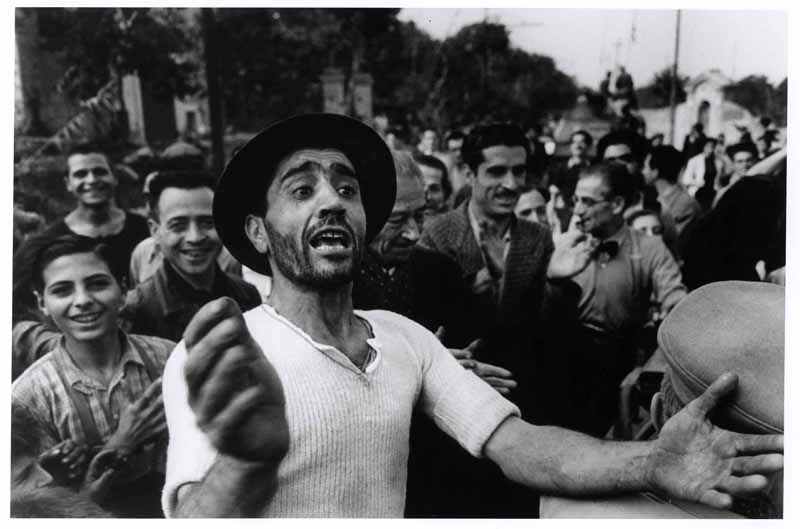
(234, 392)
(572, 253)
(694, 460)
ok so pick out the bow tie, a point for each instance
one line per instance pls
(606, 251)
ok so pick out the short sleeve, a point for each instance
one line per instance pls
(190, 454)
(459, 402)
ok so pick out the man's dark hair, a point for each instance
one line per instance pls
(668, 161)
(636, 143)
(639, 213)
(743, 147)
(544, 192)
(86, 148)
(586, 136)
(435, 163)
(180, 179)
(50, 249)
(698, 127)
(26, 432)
(454, 134)
(485, 136)
(711, 140)
(616, 177)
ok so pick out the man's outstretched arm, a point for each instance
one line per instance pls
(692, 459)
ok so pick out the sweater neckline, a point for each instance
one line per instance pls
(332, 352)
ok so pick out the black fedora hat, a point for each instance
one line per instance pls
(242, 188)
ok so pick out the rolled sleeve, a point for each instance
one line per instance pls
(460, 403)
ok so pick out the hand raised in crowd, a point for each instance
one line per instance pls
(497, 377)
(572, 254)
(141, 422)
(695, 460)
(66, 461)
(234, 392)
(100, 476)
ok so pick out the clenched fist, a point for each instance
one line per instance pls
(234, 392)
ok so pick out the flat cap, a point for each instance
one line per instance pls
(732, 326)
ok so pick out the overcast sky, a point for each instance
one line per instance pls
(584, 42)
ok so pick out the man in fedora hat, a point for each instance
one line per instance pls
(301, 407)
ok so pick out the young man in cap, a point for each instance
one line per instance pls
(302, 407)
(743, 329)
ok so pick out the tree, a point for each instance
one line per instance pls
(759, 97)
(100, 43)
(656, 94)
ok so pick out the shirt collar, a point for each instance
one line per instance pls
(476, 230)
(176, 292)
(74, 375)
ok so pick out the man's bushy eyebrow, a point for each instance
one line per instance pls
(308, 165)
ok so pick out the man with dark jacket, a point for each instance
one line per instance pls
(189, 277)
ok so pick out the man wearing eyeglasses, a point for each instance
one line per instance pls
(628, 267)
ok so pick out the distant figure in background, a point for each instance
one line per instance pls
(532, 206)
(90, 180)
(703, 169)
(627, 149)
(648, 222)
(427, 142)
(457, 168)
(693, 142)
(437, 185)
(539, 159)
(765, 143)
(661, 169)
(744, 156)
(562, 178)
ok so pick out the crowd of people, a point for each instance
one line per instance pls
(409, 315)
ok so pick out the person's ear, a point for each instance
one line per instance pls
(618, 205)
(469, 174)
(257, 233)
(153, 225)
(657, 410)
(40, 303)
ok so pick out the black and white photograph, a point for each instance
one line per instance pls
(462, 262)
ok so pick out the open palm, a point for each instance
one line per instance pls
(695, 460)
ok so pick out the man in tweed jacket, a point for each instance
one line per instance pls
(515, 273)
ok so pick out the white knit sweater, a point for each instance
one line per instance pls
(348, 429)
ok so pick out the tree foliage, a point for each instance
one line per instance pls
(656, 94)
(98, 43)
(759, 97)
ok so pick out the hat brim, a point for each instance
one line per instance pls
(242, 188)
